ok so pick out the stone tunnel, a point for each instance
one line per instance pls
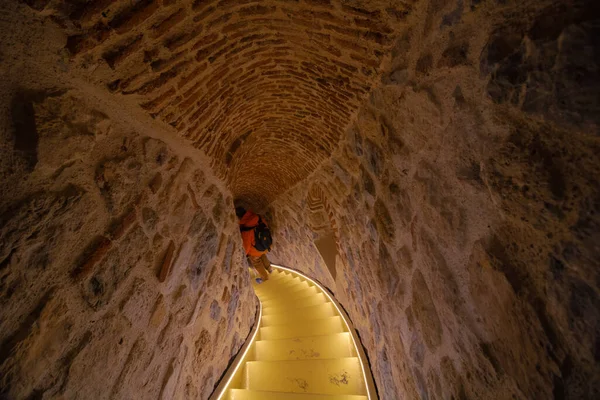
(434, 163)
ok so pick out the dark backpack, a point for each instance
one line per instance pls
(262, 236)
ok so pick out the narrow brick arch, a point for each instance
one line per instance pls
(257, 85)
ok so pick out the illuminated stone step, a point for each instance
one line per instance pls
(271, 289)
(243, 394)
(288, 295)
(337, 345)
(277, 282)
(311, 300)
(319, 311)
(341, 376)
(298, 329)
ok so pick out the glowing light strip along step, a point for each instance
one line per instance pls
(302, 348)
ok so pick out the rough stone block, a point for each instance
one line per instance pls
(120, 227)
(155, 183)
(96, 251)
(167, 262)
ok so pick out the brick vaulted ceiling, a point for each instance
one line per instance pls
(264, 88)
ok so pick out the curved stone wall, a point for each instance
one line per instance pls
(121, 268)
(122, 273)
(253, 84)
(452, 145)
(466, 198)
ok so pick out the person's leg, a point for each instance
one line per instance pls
(258, 265)
(253, 273)
(266, 263)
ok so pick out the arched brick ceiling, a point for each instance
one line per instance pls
(265, 88)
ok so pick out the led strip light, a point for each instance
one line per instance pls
(251, 341)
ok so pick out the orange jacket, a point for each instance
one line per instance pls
(250, 220)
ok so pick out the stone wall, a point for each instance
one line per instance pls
(248, 82)
(121, 268)
(465, 200)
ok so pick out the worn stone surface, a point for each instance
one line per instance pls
(104, 278)
(449, 147)
(234, 77)
(465, 200)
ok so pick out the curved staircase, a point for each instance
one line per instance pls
(302, 349)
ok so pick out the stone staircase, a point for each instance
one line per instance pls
(303, 349)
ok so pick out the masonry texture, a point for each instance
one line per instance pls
(236, 78)
(111, 246)
(464, 198)
(449, 149)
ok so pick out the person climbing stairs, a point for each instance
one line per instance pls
(256, 238)
(303, 349)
